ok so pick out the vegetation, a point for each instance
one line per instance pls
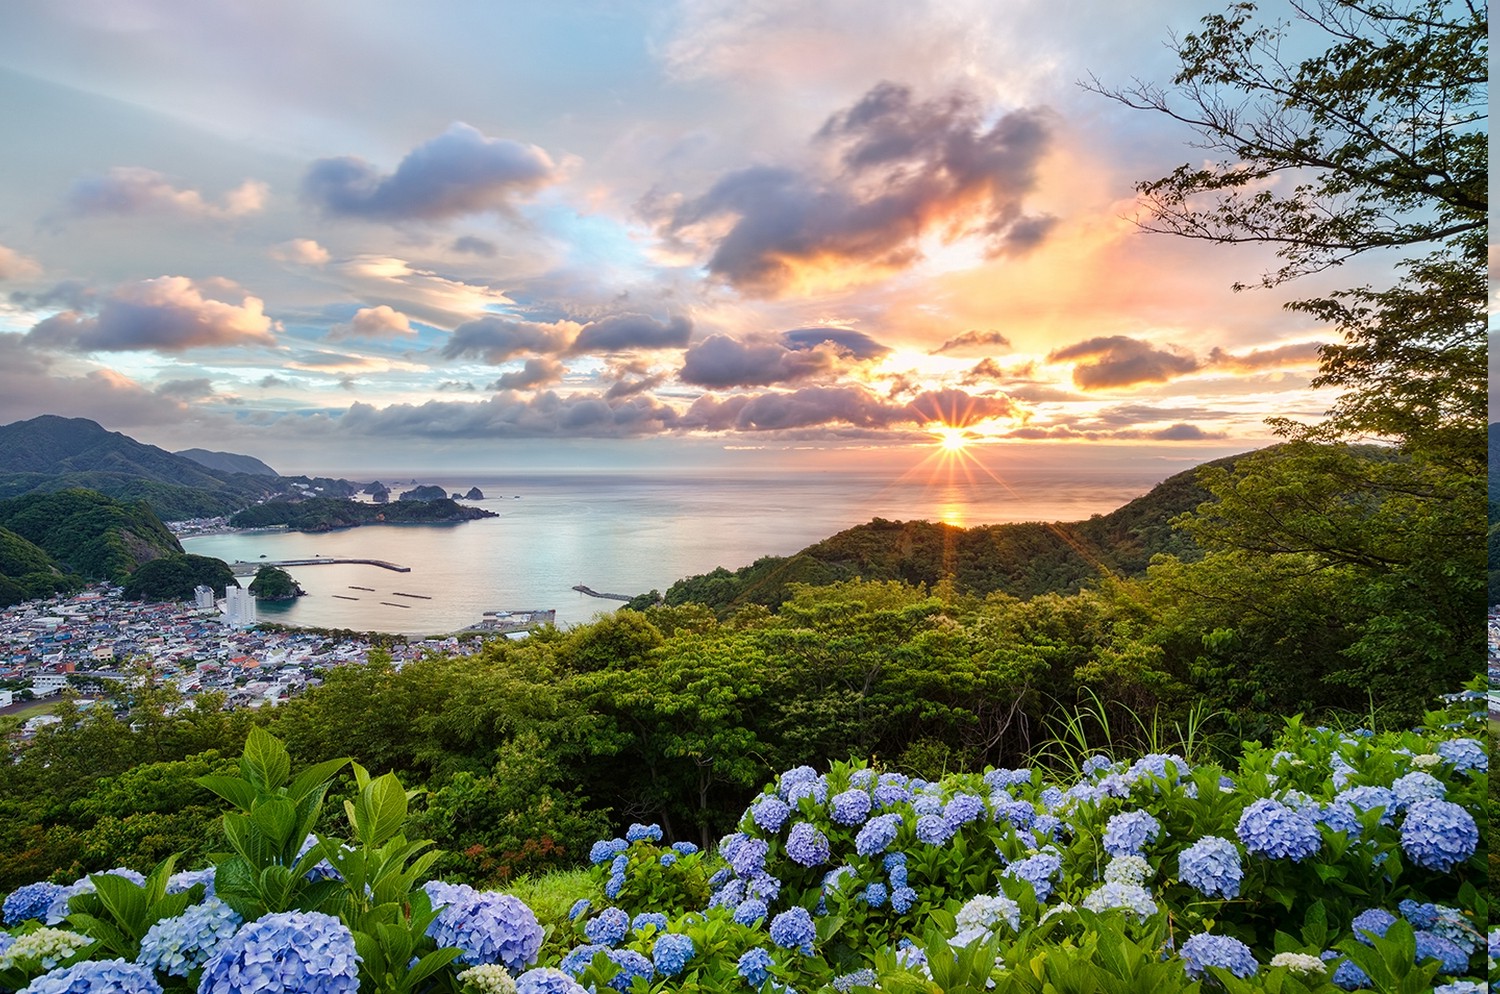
(175, 577)
(321, 514)
(272, 583)
(88, 533)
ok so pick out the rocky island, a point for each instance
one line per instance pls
(272, 583)
(321, 514)
(427, 492)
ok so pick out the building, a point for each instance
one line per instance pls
(47, 684)
(203, 597)
(238, 607)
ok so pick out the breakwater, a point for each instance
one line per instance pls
(609, 597)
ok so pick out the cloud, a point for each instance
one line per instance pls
(193, 389)
(508, 415)
(541, 371)
(380, 321)
(456, 386)
(629, 388)
(621, 332)
(271, 380)
(302, 251)
(15, 266)
(721, 361)
(851, 405)
(984, 340)
(1183, 432)
(166, 314)
(459, 172)
(496, 339)
(1298, 354)
(856, 343)
(131, 191)
(958, 409)
(903, 170)
(1120, 361)
(472, 245)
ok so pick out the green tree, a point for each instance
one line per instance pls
(275, 584)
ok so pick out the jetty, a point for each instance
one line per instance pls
(240, 567)
(420, 597)
(391, 604)
(609, 597)
(509, 622)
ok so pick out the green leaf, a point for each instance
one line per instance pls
(125, 901)
(265, 760)
(276, 819)
(313, 777)
(240, 793)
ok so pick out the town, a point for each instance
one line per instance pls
(80, 642)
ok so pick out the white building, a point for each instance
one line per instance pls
(7, 698)
(47, 684)
(238, 607)
(203, 597)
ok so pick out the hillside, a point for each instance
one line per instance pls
(321, 514)
(87, 533)
(228, 462)
(1021, 559)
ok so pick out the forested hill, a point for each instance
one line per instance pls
(1021, 559)
(228, 462)
(51, 453)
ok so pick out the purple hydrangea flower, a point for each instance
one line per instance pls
(1128, 832)
(1204, 950)
(877, 834)
(851, 807)
(490, 928)
(671, 953)
(770, 813)
(608, 927)
(794, 929)
(1438, 835)
(1270, 828)
(289, 952)
(546, 980)
(110, 976)
(1212, 867)
(806, 845)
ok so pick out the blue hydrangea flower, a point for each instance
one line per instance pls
(730, 844)
(668, 858)
(546, 980)
(577, 959)
(1021, 814)
(891, 790)
(606, 849)
(815, 789)
(749, 857)
(643, 833)
(441, 893)
(649, 919)
(1438, 835)
(1430, 945)
(322, 869)
(764, 887)
(806, 845)
(30, 901)
(1038, 871)
(961, 810)
(1417, 786)
(876, 894)
(1048, 828)
(1338, 816)
(289, 952)
(1204, 950)
(985, 912)
(1461, 987)
(1368, 797)
(1348, 975)
(1128, 832)
(933, 830)
(490, 928)
(770, 813)
(895, 868)
(1421, 915)
(927, 804)
(902, 899)
(750, 912)
(877, 834)
(1212, 867)
(614, 885)
(630, 964)
(1465, 754)
(58, 909)
(1156, 765)
(1372, 920)
(188, 879)
(851, 807)
(1050, 797)
(729, 895)
(1001, 779)
(1270, 828)
(794, 776)
(859, 978)
(684, 848)
(755, 966)
(176, 946)
(619, 865)
(110, 976)
(1096, 764)
(1129, 897)
(671, 954)
(1443, 920)
(794, 929)
(607, 927)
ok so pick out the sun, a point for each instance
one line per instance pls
(952, 439)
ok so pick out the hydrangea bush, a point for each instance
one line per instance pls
(1328, 861)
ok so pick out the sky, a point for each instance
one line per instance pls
(360, 234)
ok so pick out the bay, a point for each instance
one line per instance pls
(620, 533)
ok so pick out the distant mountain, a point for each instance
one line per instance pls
(229, 462)
(51, 453)
(1022, 559)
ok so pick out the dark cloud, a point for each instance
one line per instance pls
(509, 415)
(167, 314)
(957, 408)
(1118, 361)
(855, 343)
(1299, 354)
(456, 386)
(129, 191)
(906, 169)
(535, 373)
(194, 389)
(629, 388)
(1183, 432)
(721, 361)
(322, 360)
(496, 339)
(459, 172)
(72, 295)
(985, 340)
(472, 245)
(854, 406)
(621, 332)
(271, 380)
(985, 370)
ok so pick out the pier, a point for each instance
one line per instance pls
(609, 597)
(242, 567)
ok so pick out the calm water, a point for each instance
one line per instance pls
(620, 534)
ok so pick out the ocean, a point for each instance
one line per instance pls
(619, 533)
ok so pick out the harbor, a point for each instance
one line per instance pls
(243, 568)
